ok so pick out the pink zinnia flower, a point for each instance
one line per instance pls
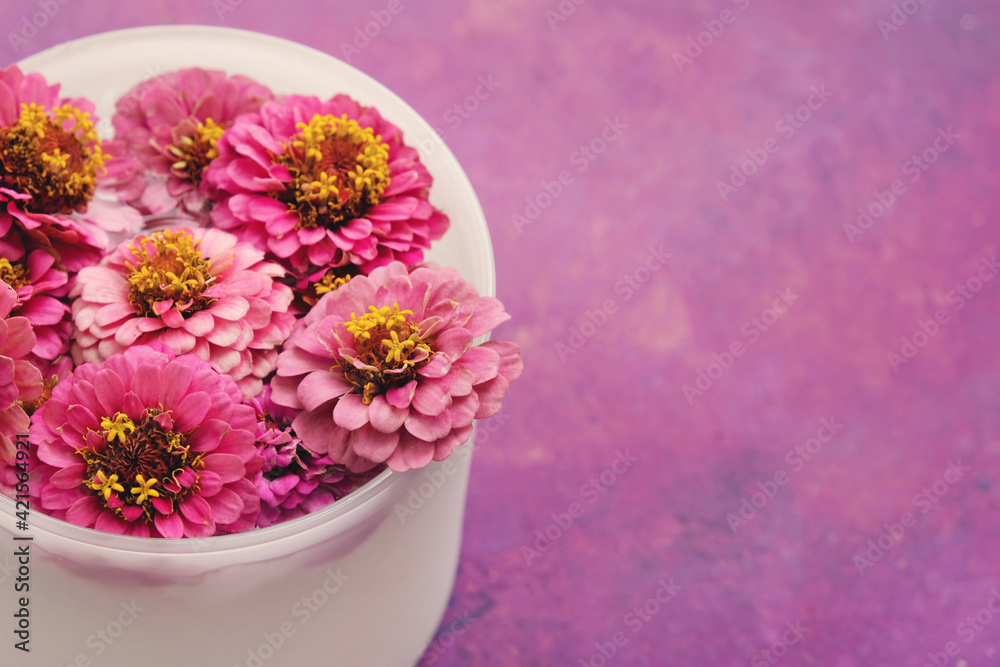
(172, 123)
(41, 288)
(323, 183)
(384, 369)
(51, 160)
(194, 290)
(294, 481)
(147, 444)
(20, 381)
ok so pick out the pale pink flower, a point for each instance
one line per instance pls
(324, 183)
(171, 123)
(147, 444)
(194, 290)
(384, 368)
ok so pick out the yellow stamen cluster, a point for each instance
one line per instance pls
(12, 273)
(119, 427)
(193, 153)
(339, 170)
(106, 485)
(169, 266)
(145, 489)
(141, 461)
(388, 345)
(54, 155)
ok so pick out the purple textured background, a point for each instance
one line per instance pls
(618, 387)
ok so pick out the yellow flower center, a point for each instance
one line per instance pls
(141, 461)
(339, 171)
(168, 267)
(390, 348)
(54, 156)
(193, 154)
(12, 273)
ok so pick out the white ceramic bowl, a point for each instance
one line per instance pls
(361, 583)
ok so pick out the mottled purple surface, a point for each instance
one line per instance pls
(881, 96)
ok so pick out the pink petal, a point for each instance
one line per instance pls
(321, 386)
(170, 526)
(350, 412)
(384, 417)
(372, 445)
(197, 510)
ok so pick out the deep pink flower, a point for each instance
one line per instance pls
(172, 123)
(385, 371)
(147, 444)
(323, 183)
(194, 290)
(294, 481)
(51, 161)
(20, 381)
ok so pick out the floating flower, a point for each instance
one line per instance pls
(51, 160)
(194, 290)
(172, 123)
(20, 381)
(384, 369)
(294, 481)
(41, 287)
(324, 183)
(148, 444)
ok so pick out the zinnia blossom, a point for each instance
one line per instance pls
(172, 123)
(384, 369)
(324, 183)
(194, 290)
(51, 160)
(147, 444)
(41, 287)
(20, 381)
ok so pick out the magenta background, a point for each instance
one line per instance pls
(655, 185)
